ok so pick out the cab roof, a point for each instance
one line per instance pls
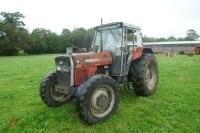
(122, 24)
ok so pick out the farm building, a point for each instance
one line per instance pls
(175, 47)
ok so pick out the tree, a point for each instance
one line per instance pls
(14, 36)
(191, 35)
(90, 34)
(65, 39)
(162, 39)
(65, 32)
(148, 39)
(41, 39)
(79, 38)
(13, 19)
(171, 38)
(46, 41)
(181, 39)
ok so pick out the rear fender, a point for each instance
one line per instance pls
(137, 54)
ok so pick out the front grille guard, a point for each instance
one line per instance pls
(65, 79)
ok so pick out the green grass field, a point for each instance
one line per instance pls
(175, 107)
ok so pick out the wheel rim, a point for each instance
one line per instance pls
(151, 77)
(102, 101)
(57, 96)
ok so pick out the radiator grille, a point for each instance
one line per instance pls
(63, 77)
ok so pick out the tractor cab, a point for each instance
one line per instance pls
(122, 40)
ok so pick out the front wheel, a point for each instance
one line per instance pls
(48, 93)
(97, 99)
(143, 73)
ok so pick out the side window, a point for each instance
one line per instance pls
(135, 37)
(130, 40)
(130, 37)
(138, 38)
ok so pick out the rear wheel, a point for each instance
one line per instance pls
(48, 93)
(143, 74)
(97, 99)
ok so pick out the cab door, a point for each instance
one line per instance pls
(121, 58)
(129, 44)
(118, 56)
(134, 41)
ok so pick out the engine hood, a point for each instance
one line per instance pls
(92, 59)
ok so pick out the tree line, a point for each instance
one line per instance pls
(16, 40)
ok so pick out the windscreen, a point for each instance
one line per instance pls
(112, 39)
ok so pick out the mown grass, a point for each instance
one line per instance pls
(175, 107)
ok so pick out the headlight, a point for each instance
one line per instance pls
(61, 66)
(62, 63)
(58, 68)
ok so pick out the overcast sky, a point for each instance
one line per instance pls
(157, 18)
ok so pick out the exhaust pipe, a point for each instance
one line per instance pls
(101, 41)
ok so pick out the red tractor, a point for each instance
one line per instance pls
(92, 78)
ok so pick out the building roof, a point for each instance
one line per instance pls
(173, 44)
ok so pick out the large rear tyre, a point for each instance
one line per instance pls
(48, 93)
(97, 99)
(143, 74)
